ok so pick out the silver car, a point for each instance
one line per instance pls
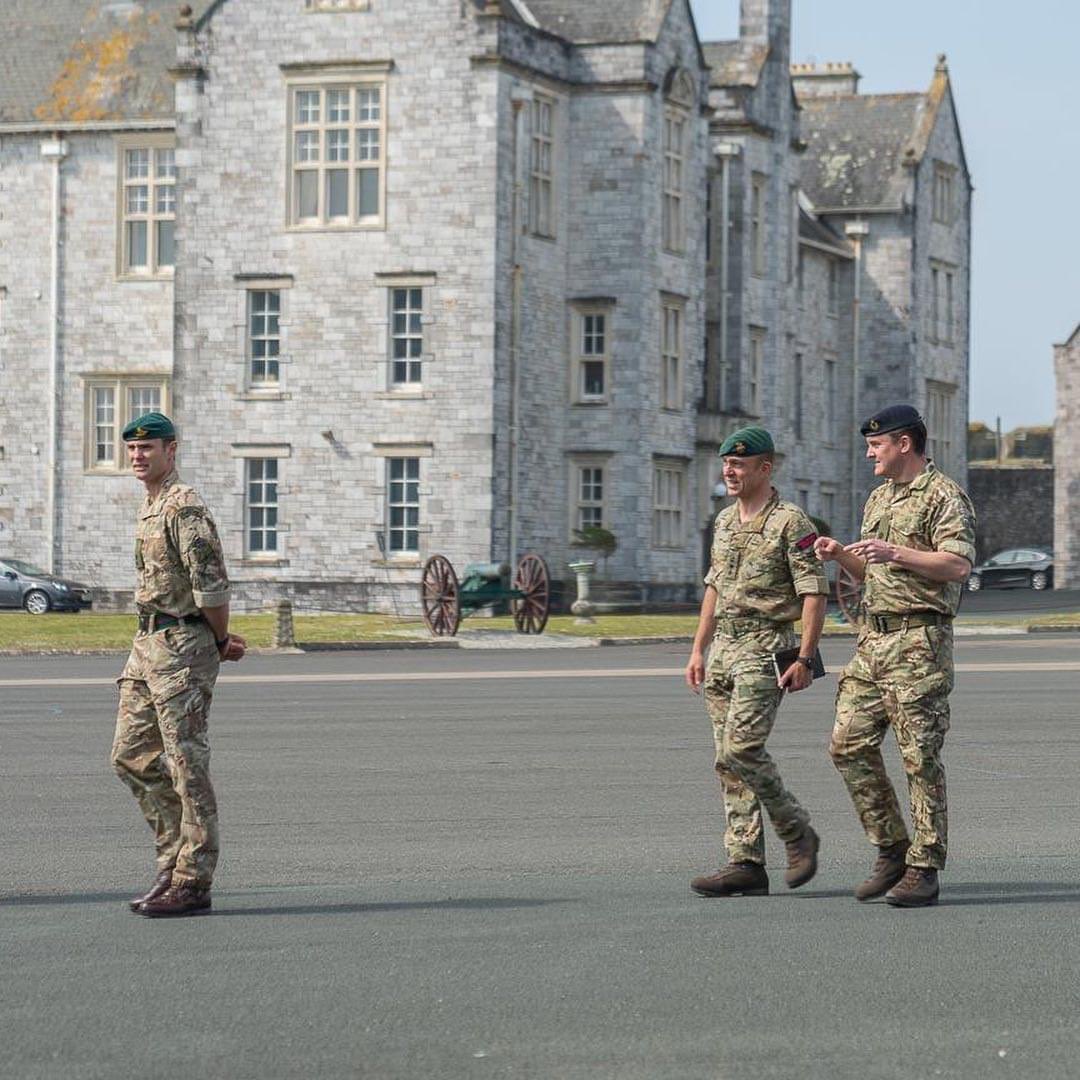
(26, 586)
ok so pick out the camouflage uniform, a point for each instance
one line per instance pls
(760, 570)
(161, 750)
(903, 677)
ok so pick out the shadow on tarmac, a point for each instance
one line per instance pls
(982, 892)
(465, 904)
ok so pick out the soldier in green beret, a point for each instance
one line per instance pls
(763, 577)
(161, 750)
(916, 549)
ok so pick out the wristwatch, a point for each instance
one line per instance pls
(807, 662)
(225, 641)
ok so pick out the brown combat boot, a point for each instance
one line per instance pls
(888, 870)
(918, 888)
(802, 858)
(161, 883)
(735, 879)
(177, 900)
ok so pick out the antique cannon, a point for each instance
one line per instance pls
(445, 600)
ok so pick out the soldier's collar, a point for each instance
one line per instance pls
(757, 522)
(170, 479)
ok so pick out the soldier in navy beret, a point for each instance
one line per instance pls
(914, 553)
(893, 418)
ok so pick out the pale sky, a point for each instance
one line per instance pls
(1016, 81)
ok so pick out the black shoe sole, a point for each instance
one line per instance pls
(725, 895)
(894, 901)
(174, 914)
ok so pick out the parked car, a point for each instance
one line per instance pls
(26, 586)
(1029, 568)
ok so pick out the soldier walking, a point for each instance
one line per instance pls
(161, 750)
(763, 576)
(916, 548)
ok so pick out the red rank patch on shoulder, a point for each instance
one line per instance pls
(806, 541)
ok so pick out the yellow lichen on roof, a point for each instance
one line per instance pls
(91, 82)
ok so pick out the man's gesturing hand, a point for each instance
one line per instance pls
(873, 551)
(827, 549)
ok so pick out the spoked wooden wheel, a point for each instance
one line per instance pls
(533, 581)
(440, 597)
(849, 594)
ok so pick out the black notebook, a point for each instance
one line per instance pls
(783, 659)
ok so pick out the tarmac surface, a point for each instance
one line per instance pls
(450, 864)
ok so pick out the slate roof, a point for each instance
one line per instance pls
(857, 146)
(735, 63)
(87, 60)
(583, 21)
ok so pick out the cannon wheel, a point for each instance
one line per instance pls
(533, 581)
(849, 594)
(440, 597)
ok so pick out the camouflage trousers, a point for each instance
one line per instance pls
(900, 679)
(742, 697)
(161, 749)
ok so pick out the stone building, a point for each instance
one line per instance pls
(1066, 469)
(458, 276)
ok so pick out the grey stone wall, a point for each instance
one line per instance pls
(1014, 507)
(1066, 471)
(105, 325)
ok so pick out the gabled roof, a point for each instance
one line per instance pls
(735, 63)
(88, 61)
(592, 21)
(860, 145)
(856, 147)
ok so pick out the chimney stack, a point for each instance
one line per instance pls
(826, 80)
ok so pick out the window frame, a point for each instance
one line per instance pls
(389, 504)
(942, 303)
(759, 184)
(580, 313)
(832, 287)
(578, 463)
(324, 81)
(669, 517)
(755, 366)
(252, 554)
(263, 385)
(940, 414)
(798, 384)
(542, 205)
(671, 394)
(673, 216)
(121, 384)
(943, 194)
(420, 360)
(154, 143)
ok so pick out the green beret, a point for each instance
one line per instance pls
(746, 442)
(893, 418)
(151, 425)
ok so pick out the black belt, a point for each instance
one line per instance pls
(747, 624)
(153, 621)
(889, 624)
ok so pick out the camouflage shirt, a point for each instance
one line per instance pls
(761, 568)
(932, 513)
(178, 555)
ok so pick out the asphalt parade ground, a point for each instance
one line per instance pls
(449, 864)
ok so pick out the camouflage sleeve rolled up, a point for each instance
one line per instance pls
(806, 570)
(200, 551)
(952, 525)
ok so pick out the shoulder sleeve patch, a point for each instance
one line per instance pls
(806, 541)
